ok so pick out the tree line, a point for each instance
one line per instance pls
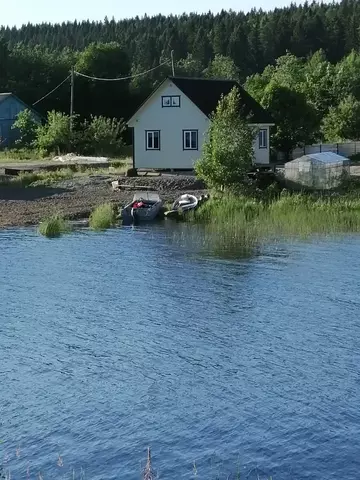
(301, 62)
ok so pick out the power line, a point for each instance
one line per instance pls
(52, 91)
(73, 72)
(122, 78)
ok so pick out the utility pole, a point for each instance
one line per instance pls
(172, 63)
(71, 98)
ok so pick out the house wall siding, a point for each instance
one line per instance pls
(172, 121)
(262, 155)
(9, 109)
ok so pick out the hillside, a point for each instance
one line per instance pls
(36, 58)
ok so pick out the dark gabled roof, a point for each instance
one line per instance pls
(205, 94)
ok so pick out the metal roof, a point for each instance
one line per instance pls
(323, 157)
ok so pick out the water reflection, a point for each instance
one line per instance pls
(204, 241)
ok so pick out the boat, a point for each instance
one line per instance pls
(183, 204)
(144, 207)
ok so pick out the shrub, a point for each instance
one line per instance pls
(27, 125)
(53, 226)
(101, 136)
(54, 136)
(103, 217)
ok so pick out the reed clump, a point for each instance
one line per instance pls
(54, 226)
(288, 214)
(103, 217)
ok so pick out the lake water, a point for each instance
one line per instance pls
(236, 362)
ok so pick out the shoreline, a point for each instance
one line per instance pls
(77, 197)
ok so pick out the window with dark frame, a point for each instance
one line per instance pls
(263, 141)
(152, 139)
(170, 101)
(190, 140)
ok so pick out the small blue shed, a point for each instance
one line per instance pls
(10, 106)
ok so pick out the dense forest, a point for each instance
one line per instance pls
(300, 61)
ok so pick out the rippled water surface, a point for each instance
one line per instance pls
(240, 363)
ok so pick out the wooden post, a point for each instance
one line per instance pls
(71, 99)
(172, 63)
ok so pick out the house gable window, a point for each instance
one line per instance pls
(152, 139)
(263, 138)
(190, 139)
(170, 101)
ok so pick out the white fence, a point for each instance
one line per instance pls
(346, 149)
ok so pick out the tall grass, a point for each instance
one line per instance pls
(103, 217)
(53, 226)
(247, 220)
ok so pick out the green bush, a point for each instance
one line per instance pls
(27, 126)
(100, 136)
(53, 226)
(54, 136)
(103, 217)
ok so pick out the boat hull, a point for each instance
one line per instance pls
(149, 214)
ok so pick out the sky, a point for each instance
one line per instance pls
(18, 12)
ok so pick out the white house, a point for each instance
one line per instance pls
(170, 126)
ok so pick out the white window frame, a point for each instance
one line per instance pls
(150, 134)
(191, 132)
(174, 101)
(263, 138)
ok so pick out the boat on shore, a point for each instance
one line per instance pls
(144, 207)
(185, 203)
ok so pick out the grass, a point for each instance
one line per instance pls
(36, 179)
(103, 217)
(17, 155)
(48, 178)
(28, 155)
(246, 221)
(53, 226)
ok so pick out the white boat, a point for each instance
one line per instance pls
(183, 204)
(144, 207)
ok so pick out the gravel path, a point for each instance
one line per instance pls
(76, 198)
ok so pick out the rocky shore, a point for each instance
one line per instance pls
(77, 197)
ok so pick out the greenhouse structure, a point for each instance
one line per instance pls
(318, 171)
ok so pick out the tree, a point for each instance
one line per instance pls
(4, 56)
(318, 85)
(27, 125)
(296, 121)
(256, 84)
(54, 136)
(102, 60)
(189, 66)
(222, 67)
(343, 121)
(228, 150)
(347, 76)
